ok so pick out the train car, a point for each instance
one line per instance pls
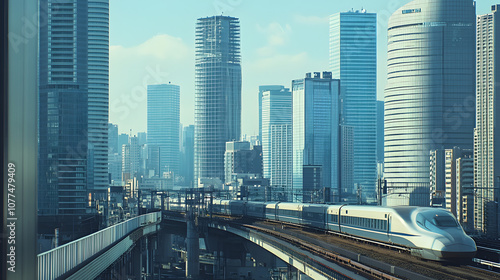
(332, 217)
(255, 209)
(220, 206)
(271, 211)
(366, 221)
(236, 207)
(314, 215)
(430, 233)
(289, 212)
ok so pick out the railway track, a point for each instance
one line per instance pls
(360, 250)
(328, 255)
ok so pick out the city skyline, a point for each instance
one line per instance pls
(276, 48)
(276, 88)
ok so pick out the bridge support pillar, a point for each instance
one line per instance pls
(243, 259)
(193, 251)
(165, 252)
(152, 253)
(136, 261)
(148, 256)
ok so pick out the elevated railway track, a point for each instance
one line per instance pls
(379, 258)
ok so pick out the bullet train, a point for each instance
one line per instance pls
(429, 233)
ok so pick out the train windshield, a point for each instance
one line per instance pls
(431, 220)
(445, 221)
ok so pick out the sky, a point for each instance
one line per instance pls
(281, 40)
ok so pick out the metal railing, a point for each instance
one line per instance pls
(56, 262)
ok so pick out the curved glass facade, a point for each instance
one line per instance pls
(217, 92)
(164, 123)
(98, 82)
(430, 93)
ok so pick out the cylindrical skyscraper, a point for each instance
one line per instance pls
(430, 93)
(98, 93)
(163, 124)
(217, 93)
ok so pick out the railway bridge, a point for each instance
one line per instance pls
(127, 248)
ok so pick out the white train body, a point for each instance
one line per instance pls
(430, 233)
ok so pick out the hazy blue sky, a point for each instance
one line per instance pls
(152, 41)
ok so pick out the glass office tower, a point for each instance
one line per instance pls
(353, 60)
(217, 93)
(429, 97)
(261, 91)
(73, 114)
(63, 109)
(277, 138)
(164, 123)
(316, 138)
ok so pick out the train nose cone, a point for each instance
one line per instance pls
(446, 250)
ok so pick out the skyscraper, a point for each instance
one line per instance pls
(163, 124)
(187, 155)
(487, 132)
(131, 158)
(353, 60)
(347, 163)
(98, 84)
(73, 114)
(465, 191)
(380, 131)
(277, 136)
(261, 91)
(143, 138)
(429, 97)
(217, 93)
(316, 137)
(242, 160)
(73, 107)
(112, 138)
(114, 155)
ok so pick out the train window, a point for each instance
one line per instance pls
(421, 220)
(436, 219)
(445, 221)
